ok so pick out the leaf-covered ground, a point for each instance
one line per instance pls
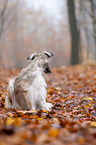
(72, 120)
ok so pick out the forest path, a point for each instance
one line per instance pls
(72, 120)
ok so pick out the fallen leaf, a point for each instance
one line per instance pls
(54, 132)
(88, 98)
(86, 106)
(81, 140)
(14, 121)
(93, 124)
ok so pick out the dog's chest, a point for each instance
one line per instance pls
(35, 82)
(39, 82)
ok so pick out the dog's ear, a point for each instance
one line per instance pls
(48, 54)
(32, 56)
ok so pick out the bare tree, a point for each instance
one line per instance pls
(93, 3)
(87, 28)
(2, 15)
(6, 17)
(3, 8)
(31, 30)
(74, 32)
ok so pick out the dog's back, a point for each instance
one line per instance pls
(10, 91)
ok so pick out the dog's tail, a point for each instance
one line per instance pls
(10, 94)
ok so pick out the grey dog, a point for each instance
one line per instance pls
(28, 89)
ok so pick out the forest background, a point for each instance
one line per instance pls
(63, 27)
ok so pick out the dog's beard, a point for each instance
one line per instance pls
(47, 70)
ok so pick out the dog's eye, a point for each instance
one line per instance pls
(45, 64)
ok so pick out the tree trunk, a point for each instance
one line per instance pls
(74, 32)
(87, 26)
(93, 3)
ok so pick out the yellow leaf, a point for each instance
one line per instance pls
(54, 132)
(69, 97)
(41, 118)
(14, 121)
(35, 117)
(89, 105)
(44, 111)
(9, 121)
(88, 98)
(86, 106)
(81, 140)
(93, 123)
(2, 143)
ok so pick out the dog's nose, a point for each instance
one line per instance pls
(47, 70)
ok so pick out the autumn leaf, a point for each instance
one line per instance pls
(93, 124)
(72, 119)
(81, 140)
(88, 98)
(41, 118)
(14, 121)
(54, 132)
(86, 106)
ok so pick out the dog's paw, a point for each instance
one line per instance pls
(48, 106)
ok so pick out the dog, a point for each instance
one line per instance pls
(28, 89)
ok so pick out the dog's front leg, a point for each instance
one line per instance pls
(31, 100)
(48, 106)
(31, 104)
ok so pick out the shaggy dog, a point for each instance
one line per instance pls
(28, 89)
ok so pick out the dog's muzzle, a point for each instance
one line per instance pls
(47, 70)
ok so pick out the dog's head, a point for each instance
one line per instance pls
(41, 60)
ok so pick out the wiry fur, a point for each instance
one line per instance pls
(28, 89)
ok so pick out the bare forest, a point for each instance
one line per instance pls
(67, 29)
